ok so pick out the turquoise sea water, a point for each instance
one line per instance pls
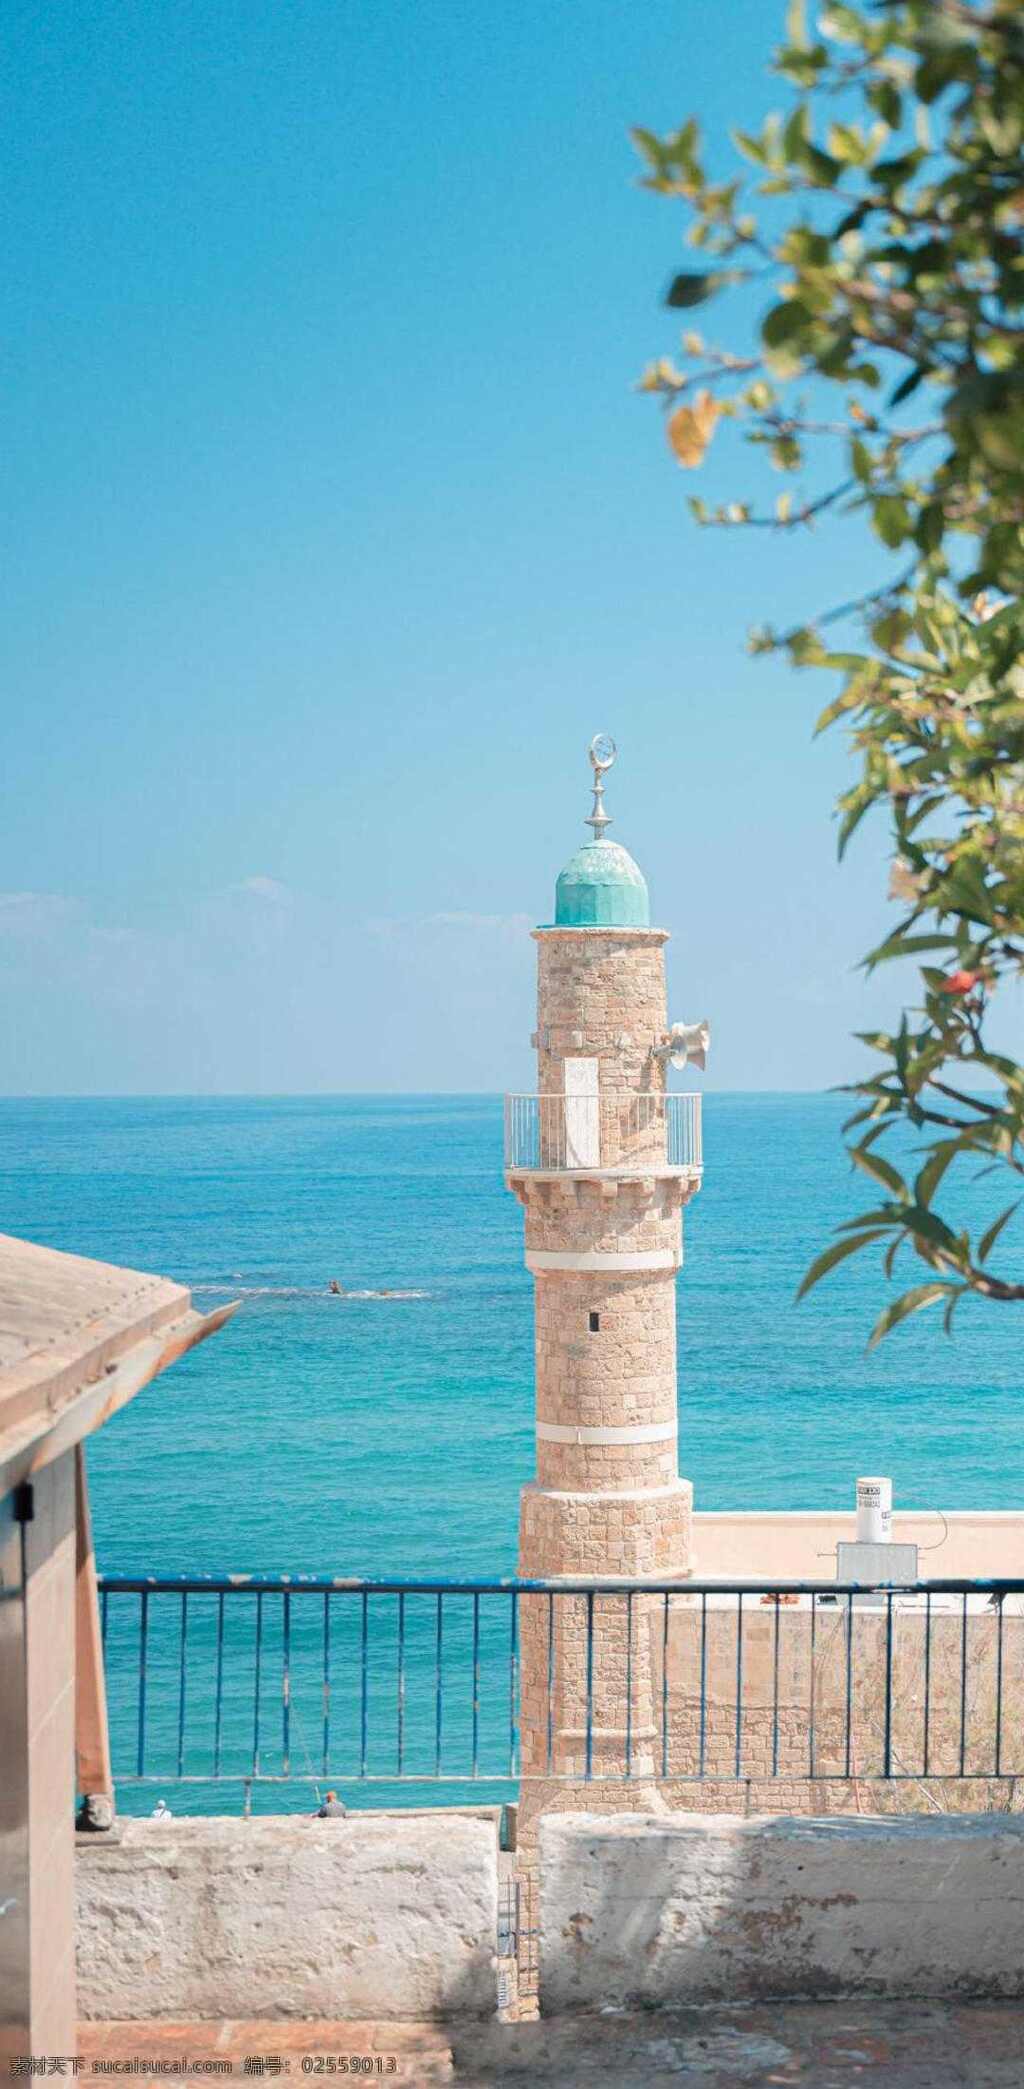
(366, 1435)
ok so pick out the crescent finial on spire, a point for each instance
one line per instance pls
(602, 754)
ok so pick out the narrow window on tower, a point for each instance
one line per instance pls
(595, 1323)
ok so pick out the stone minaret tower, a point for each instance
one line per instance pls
(602, 1162)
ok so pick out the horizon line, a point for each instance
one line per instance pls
(69, 1095)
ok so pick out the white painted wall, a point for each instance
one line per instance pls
(379, 1915)
(648, 1910)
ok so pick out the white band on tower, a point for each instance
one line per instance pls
(577, 1432)
(590, 1262)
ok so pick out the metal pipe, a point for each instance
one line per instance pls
(476, 1684)
(219, 1686)
(143, 1637)
(181, 1680)
(604, 1585)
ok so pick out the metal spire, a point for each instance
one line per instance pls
(602, 755)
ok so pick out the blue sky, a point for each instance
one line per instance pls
(338, 529)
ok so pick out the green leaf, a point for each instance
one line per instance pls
(797, 132)
(928, 1227)
(752, 148)
(937, 71)
(934, 1169)
(911, 1302)
(786, 454)
(965, 891)
(784, 322)
(823, 169)
(853, 220)
(878, 1131)
(843, 23)
(899, 945)
(930, 526)
(845, 701)
(909, 384)
(956, 1293)
(893, 173)
(695, 286)
(862, 460)
(647, 144)
(891, 518)
(988, 1240)
(892, 630)
(885, 99)
(855, 804)
(882, 1171)
(838, 1252)
(844, 143)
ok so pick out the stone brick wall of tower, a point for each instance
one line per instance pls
(599, 1466)
(620, 1533)
(601, 995)
(580, 1216)
(621, 1374)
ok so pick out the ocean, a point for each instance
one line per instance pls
(372, 1435)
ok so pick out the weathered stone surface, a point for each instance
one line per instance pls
(839, 2045)
(659, 1911)
(379, 1915)
(820, 2045)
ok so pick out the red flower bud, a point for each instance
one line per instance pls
(960, 982)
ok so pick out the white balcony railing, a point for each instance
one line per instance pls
(603, 1131)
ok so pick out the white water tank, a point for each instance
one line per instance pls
(874, 1512)
(873, 1557)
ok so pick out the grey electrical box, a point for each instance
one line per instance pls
(858, 1562)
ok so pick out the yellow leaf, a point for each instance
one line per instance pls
(690, 429)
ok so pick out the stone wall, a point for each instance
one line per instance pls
(644, 1911)
(643, 1531)
(636, 1215)
(601, 993)
(807, 1702)
(783, 1708)
(618, 1375)
(379, 1915)
(796, 1725)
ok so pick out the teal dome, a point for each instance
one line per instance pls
(601, 887)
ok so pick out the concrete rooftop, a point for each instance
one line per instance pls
(829, 2045)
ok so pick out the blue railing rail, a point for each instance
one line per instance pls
(396, 1680)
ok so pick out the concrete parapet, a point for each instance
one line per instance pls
(648, 1911)
(801, 1543)
(378, 1915)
